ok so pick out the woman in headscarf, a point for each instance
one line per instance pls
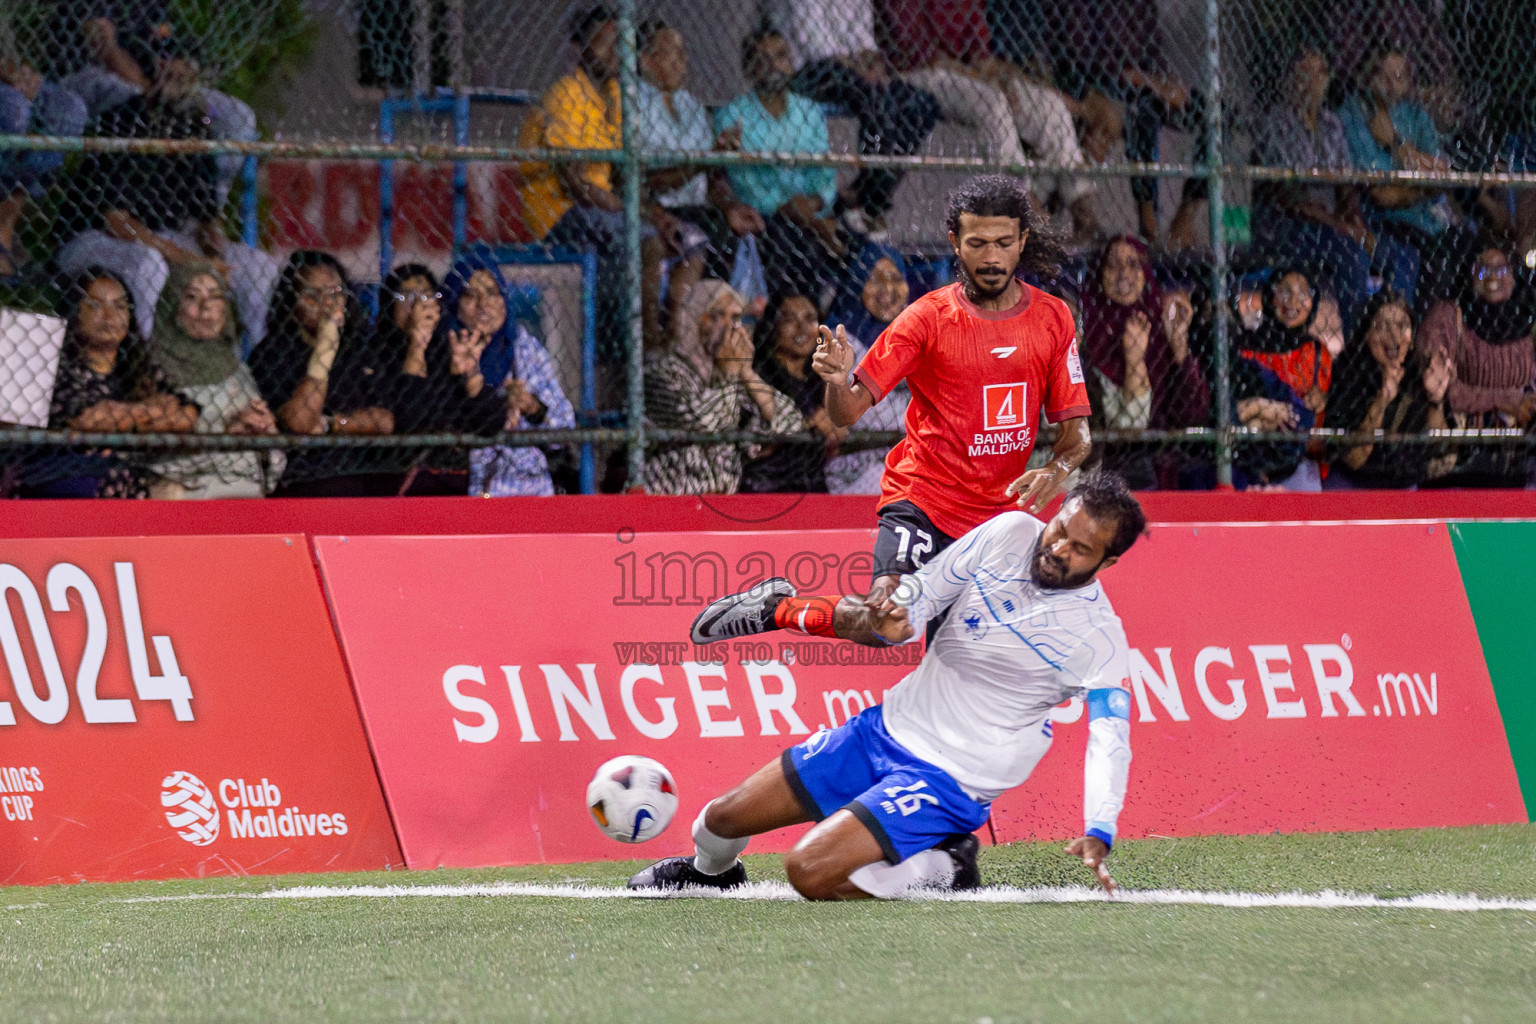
(703, 380)
(1380, 384)
(785, 340)
(429, 378)
(513, 359)
(193, 342)
(309, 363)
(1137, 343)
(1285, 344)
(106, 383)
(1486, 329)
(1283, 341)
(870, 295)
(1486, 333)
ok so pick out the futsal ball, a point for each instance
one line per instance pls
(632, 799)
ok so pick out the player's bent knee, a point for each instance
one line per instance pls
(813, 877)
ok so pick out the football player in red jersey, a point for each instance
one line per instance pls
(982, 358)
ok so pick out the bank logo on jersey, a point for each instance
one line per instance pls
(1004, 407)
(1074, 363)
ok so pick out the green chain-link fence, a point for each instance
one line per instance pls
(438, 246)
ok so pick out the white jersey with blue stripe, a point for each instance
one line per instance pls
(1008, 653)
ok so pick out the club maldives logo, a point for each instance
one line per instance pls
(189, 808)
(253, 810)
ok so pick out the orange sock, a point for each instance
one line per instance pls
(811, 616)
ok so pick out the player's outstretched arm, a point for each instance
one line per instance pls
(1106, 769)
(833, 363)
(1037, 487)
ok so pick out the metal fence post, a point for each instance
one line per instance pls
(1214, 154)
(629, 90)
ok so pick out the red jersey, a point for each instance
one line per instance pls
(979, 380)
(1302, 369)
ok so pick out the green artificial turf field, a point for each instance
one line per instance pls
(105, 952)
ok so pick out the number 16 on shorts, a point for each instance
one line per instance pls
(907, 799)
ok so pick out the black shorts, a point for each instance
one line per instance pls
(906, 541)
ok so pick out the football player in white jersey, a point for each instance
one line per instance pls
(898, 790)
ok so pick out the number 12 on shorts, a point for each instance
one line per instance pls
(924, 546)
(907, 799)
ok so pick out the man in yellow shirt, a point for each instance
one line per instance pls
(577, 205)
(579, 111)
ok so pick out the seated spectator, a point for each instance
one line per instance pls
(193, 342)
(802, 247)
(430, 379)
(1136, 343)
(871, 294)
(1360, 29)
(1321, 225)
(1389, 131)
(1111, 58)
(786, 339)
(669, 117)
(1283, 340)
(106, 384)
(1262, 402)
(29, 105)
(1486, 333)
(138, 215)
(576, 205)
(703, 381)
(312, 364)
(1284, 344)
(513, 362)
(1380, 385)
(943, 48)
(95, 62)
(833, 42)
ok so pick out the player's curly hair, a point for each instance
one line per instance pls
(1105, 497)
(1002, 195)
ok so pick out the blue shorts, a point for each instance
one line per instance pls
(908, 804)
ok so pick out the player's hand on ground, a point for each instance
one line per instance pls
(1037, 487)
(833, 358)
(1093, 851)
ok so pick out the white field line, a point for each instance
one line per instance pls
(1327, 900)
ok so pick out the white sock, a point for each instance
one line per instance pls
(925, 869)
(713, 854)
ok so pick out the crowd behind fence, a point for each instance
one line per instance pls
(454, 246)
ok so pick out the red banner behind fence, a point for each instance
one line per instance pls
(177, 706)
(1292, 678)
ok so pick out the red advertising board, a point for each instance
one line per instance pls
(1292, 678)
(177, 706)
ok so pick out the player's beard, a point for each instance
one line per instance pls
(1051, 573)
(978, 292)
